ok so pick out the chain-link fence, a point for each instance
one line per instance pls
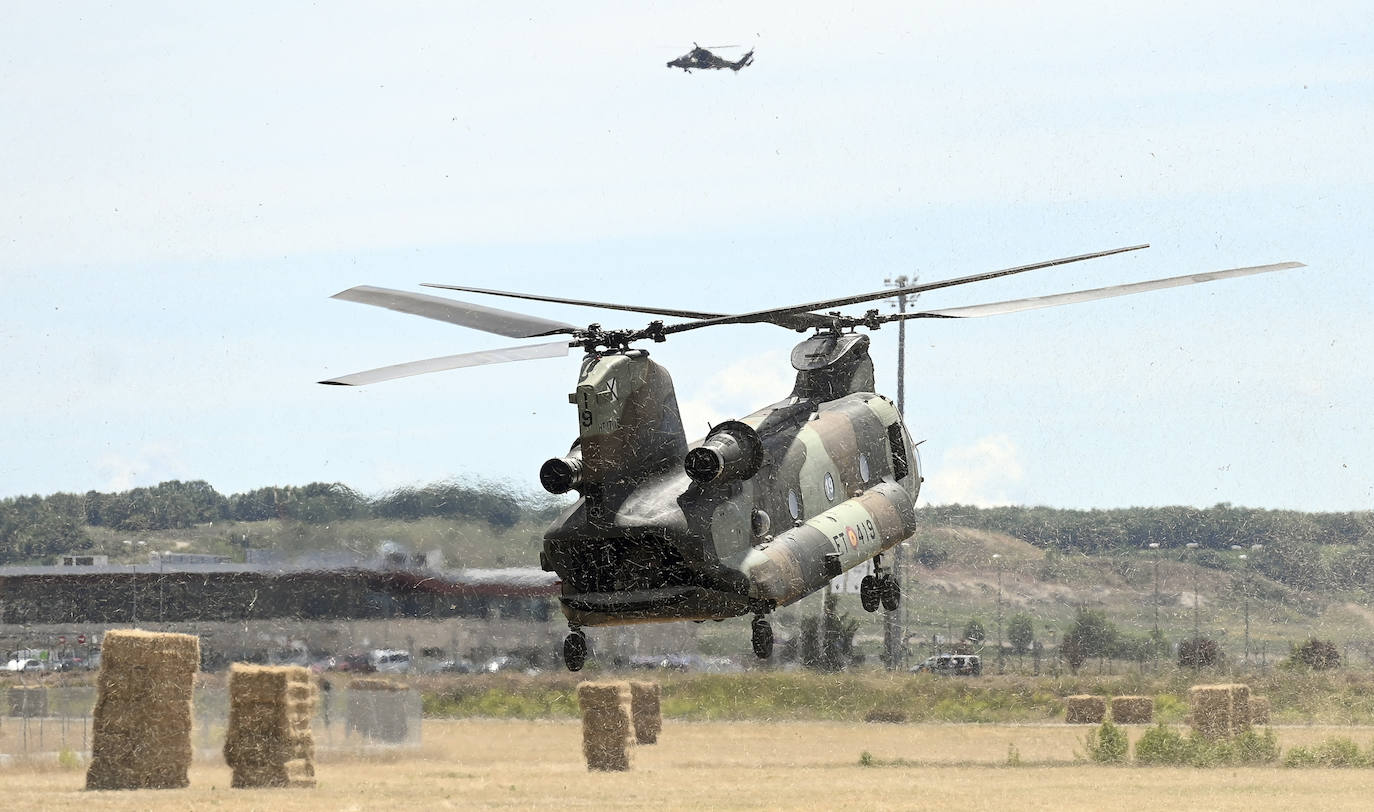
(52, 721)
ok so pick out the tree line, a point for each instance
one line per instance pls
(1306, 551)
(35, 528)
(1303, 550)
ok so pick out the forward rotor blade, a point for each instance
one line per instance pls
(489, 319)
(786, 315)
(1037, 302)
(657, 311)
(467, 359)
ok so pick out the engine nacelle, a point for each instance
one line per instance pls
(562, 474)
(732, 451)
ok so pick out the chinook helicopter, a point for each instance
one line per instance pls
(763, 510)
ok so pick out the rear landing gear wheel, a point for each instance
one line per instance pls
(870, 593)
(762, 638)
(891, 592)
(575, 650)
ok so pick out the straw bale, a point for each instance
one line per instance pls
(1240, 708)
(297, 773)
(141, 731)
(121, 717)
(105, 773)
(269, 742)
(1211, 710)
(1133, 710)
(1084, 709)
(377, 709)
(1259, 710)
(163, 652)
(373, 684)
(646, 711)
(28, 700)
(890, 716)
(607, 725)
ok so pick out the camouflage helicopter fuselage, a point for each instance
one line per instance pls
(760, 513)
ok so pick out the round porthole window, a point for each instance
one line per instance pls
(794, 504)
(863, 467)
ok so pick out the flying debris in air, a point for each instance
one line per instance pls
(702, 58)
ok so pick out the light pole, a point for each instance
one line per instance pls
(1154, 545)
(1197, 627)
(997, 559)
(1245, 558)
(894, 620)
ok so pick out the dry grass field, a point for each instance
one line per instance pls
(736, 765)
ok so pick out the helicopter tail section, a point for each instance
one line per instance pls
(744, 62)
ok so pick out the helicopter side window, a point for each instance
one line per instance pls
(900, 465)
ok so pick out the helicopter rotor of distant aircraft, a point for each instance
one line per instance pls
(762, 511)
(700, 58)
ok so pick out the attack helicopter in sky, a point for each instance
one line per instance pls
(762, 511)
(700, 58)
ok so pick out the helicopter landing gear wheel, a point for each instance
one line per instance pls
(575, 650)
(890, 592)
(870, 593)
(762, 638)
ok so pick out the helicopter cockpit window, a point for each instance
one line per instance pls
(794, 504)
(900, 465)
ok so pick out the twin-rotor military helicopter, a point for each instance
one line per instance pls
(763, 510)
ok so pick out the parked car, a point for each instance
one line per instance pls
(952, 665)
(26, 665)
(354, 662)
(390, 661)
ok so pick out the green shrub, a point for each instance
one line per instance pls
(1253, 748)
(1162, 745)
(1169, 709)
(1336, 751)
(1318, 655)
(1107, 744)
(1013, 756)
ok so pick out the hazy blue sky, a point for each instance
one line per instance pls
(185, 186)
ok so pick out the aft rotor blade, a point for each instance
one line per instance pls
(467, 359)
(478, 317)
(782, 314)
(657, 311)
(1036, 302)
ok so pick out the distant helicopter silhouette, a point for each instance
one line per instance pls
(703, 59)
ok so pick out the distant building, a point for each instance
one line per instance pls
(84, 560)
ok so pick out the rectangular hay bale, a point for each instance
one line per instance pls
(1084, 709)
(607, 725)
(646, 711)
(1240, 708)
(377, 709)
(1133, 710)
(28, 700)
(141, 731)
(269, 742)
(1210, 710)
